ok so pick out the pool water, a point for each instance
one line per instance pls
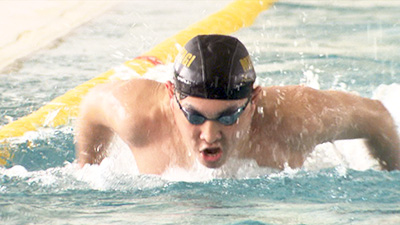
(350, 45)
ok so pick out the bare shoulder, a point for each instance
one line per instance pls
(293, 107)
(124, 91)
(293, 93)
(124, 87)
(120, 100)
(289, 97)
(303, 97)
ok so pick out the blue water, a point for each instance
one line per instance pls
(324, 197)
(345, 45)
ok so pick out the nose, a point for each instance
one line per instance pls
(210, 132)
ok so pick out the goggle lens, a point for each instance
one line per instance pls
(196, 118)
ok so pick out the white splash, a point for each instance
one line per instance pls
(389, 96)
(311, 78)
(233, 168)
(352, 154)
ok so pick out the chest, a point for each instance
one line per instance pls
(155, 148)
(269, 149)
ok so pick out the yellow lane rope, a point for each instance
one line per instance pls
(238, 14)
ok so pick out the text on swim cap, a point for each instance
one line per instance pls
(186, 58)
(246, 63)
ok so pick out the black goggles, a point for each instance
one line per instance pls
(226, 118)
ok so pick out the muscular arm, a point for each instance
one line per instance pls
(358, 117)
(303, 118)
(92, 142)
(381, 134)
(94, 131)
(124, 108)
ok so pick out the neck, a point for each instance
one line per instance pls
(181, 154)
(244, 146)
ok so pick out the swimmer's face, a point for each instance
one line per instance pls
(212, 142)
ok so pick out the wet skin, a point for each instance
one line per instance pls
(280, 126)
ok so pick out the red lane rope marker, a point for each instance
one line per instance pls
(154, 60)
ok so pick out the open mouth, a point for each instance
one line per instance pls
(211, 154)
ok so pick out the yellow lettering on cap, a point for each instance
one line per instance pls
(246, 63)
(191, 59)
(186, 58)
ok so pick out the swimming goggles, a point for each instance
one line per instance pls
(226, 118)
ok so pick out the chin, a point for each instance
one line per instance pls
(213, 164)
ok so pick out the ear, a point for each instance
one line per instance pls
(170, 88)
(256, 94)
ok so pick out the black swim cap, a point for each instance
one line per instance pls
(214, 67)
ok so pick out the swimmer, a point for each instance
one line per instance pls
(212, 112)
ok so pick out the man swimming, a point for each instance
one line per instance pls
(212, 112)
